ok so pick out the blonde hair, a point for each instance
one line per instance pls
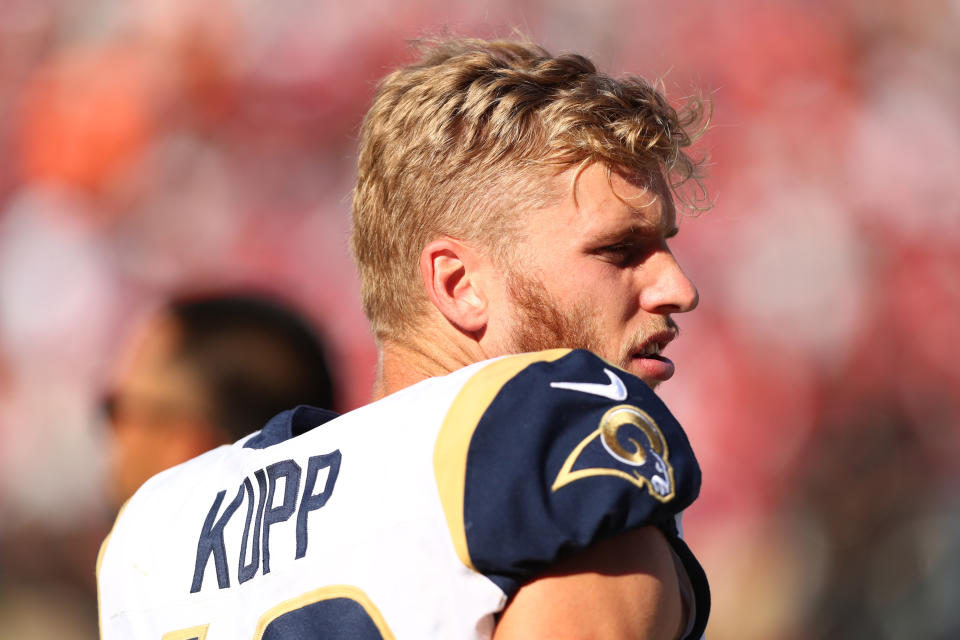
(461, 142)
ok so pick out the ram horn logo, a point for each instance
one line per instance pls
(628, 444)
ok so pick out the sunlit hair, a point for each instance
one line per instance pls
(461, 143)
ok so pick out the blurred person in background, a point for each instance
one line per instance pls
(201, 371)
(204, 371)
(511, 214)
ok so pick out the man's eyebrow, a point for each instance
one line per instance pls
(634, 230)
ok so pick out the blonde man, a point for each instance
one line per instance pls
(511, 218)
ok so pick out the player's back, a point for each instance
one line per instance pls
(416, 516)
(343, 519)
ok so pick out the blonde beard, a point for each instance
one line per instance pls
(541, 323)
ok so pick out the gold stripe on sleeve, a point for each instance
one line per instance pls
(453, 441)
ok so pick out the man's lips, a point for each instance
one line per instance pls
(649, 363)
(653, 368)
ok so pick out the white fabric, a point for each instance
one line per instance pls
(382, 531)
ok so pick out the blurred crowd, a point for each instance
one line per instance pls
(152, 147)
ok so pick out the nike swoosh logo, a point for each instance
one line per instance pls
(615, 389)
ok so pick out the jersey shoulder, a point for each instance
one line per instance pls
(541, 454)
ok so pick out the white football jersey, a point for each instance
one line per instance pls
(416, 516)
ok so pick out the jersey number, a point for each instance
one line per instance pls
(330, 612)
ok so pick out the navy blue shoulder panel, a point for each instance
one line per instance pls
(289, 424)
(570, 452)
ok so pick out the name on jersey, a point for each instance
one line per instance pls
(262, 511)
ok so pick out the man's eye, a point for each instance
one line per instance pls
(622, 252)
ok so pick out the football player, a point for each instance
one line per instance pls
(515, 476)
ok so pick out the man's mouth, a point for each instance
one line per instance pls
(650, 350)
(653, 345)
(649, 363)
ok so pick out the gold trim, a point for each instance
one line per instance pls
(199, 632)
(610, 423)
(326, 593)
(453, 441)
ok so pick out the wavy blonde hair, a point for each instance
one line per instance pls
(463, 141)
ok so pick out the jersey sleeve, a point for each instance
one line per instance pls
(543, 454)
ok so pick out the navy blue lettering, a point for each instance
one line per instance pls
(312, 501)
(291, 471)
(259, 519)
(247, 571)
(211, 542)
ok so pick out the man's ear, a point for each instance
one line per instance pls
(449, 270)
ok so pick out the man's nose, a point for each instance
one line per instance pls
(666, 288)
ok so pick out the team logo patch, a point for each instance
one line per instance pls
(627, 444)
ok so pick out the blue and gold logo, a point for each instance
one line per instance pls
(627, 444)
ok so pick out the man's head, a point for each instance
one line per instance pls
(508, 152)
(206, 371)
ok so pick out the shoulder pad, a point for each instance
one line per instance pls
(542, 454)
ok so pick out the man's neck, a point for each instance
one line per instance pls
(403, 364)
